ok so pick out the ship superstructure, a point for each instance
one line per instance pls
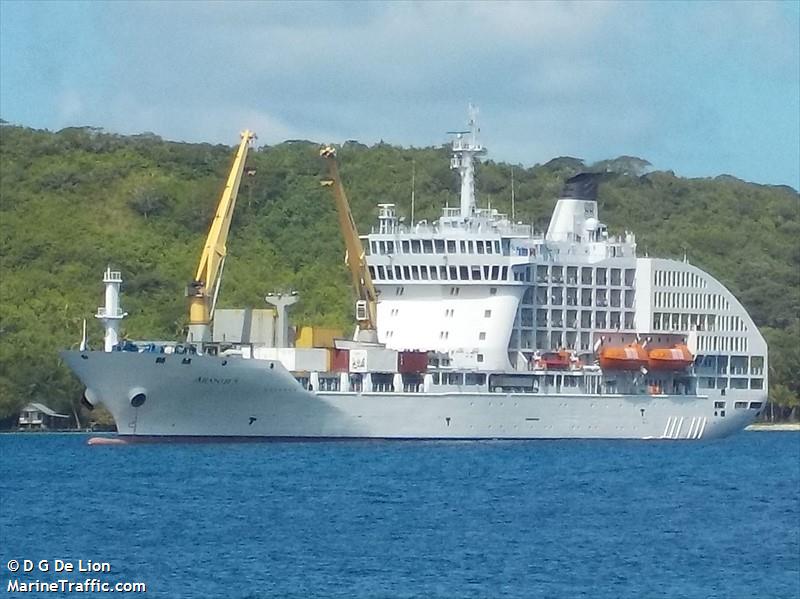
(481, 329)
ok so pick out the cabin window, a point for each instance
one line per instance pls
(390, 247)
(487, 313)
(389, 273)
(489, 247)
(381, 272)
(479, 246)
(470, 247)
(463, 246)
(476, 273)
(475, 378)
(453, 273)
(451, 246)
(463, 273)
(443, 273)
(482, 336)
(372, 272)
(415, 246)
(504, 275)
(423, 271)
(427, 246)
(438, 245)
(434, 273)
(404, 244)
(415, 273)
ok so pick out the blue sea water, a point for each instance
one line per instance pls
(568, 519)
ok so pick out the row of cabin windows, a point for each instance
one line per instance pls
(586, 275)
(673, 321)
(735, 365)
(691, 301)
(674, 278)
(587, 297)
(438, 273)
(715, 343)
(724, 383)
(440, 246)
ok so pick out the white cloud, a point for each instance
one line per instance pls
(585, 78)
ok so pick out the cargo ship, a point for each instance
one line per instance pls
(470, 327)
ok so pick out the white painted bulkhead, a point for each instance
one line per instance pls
(466, 321)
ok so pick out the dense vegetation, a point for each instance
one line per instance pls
(77, 200)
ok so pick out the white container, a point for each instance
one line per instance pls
(295, 359)
(373, 360)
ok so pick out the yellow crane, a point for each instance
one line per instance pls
(202, 291)
(366, 296)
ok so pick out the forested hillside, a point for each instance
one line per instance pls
(74, 201)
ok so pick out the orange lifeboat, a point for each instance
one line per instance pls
(629, 357)
(560, 360)
(676, 358)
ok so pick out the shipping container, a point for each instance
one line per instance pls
(295, 359)
(244, 326)
(340, 360)
(373, 359)
(316, 337)
(412, 361)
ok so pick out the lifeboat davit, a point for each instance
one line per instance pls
(629, 357)
(675, 358)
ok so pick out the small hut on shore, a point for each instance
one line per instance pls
(37, 416)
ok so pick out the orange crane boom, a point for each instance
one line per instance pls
(367, 296)
(202, 291)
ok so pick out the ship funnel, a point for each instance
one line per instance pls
(582, 186)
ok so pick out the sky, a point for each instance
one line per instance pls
(700, 88)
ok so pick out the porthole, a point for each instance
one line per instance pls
(138, 400)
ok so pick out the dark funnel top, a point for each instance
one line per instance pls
(582, 186)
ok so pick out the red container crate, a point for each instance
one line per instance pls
(340, 360)
(412, 361)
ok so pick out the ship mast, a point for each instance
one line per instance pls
(464, 152)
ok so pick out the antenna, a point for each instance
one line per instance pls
(413, 187)
(512, 193)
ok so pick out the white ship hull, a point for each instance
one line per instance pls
(242, 398)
